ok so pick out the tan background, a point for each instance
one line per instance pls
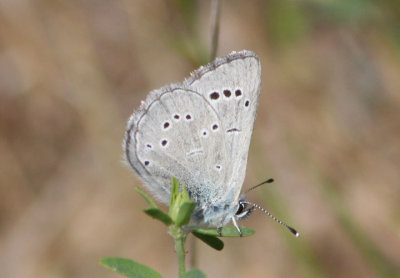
(328, 127)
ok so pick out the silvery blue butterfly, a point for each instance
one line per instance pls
(199, 131)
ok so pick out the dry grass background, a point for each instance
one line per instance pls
(328, 131)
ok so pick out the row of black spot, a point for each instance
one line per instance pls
(177, 116)
(188, 117)
(167, 124)
(227, 93)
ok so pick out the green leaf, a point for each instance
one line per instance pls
(129, 268)
(185, 211)
(184, 193)
(146, 197)
(159, 214)
(226, 232)
(181, 207)
(194, 273)
(174, 191)
(212, 241)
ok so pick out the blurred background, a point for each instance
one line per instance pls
(327, 131)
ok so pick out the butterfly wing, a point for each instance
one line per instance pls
(177, 133)
(232, 87)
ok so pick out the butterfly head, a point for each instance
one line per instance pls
(244, 210)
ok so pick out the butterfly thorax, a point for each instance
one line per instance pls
(217, 213)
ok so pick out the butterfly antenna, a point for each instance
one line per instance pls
(292, 230)
(264, 182)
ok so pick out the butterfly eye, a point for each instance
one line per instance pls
(241, 208)
(243, 211)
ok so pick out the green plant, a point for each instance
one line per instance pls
(178, 216)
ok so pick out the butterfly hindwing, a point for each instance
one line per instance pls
(177, 133)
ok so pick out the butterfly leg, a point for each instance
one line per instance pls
(236, 226)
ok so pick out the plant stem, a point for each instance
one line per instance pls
(215, 13)
(192, 256)
(180, 239)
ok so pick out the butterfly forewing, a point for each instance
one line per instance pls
(232, 86)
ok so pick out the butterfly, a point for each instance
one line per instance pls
(199, 131)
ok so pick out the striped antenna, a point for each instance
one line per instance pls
(292, 230)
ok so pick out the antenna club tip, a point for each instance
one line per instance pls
(293, 231)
